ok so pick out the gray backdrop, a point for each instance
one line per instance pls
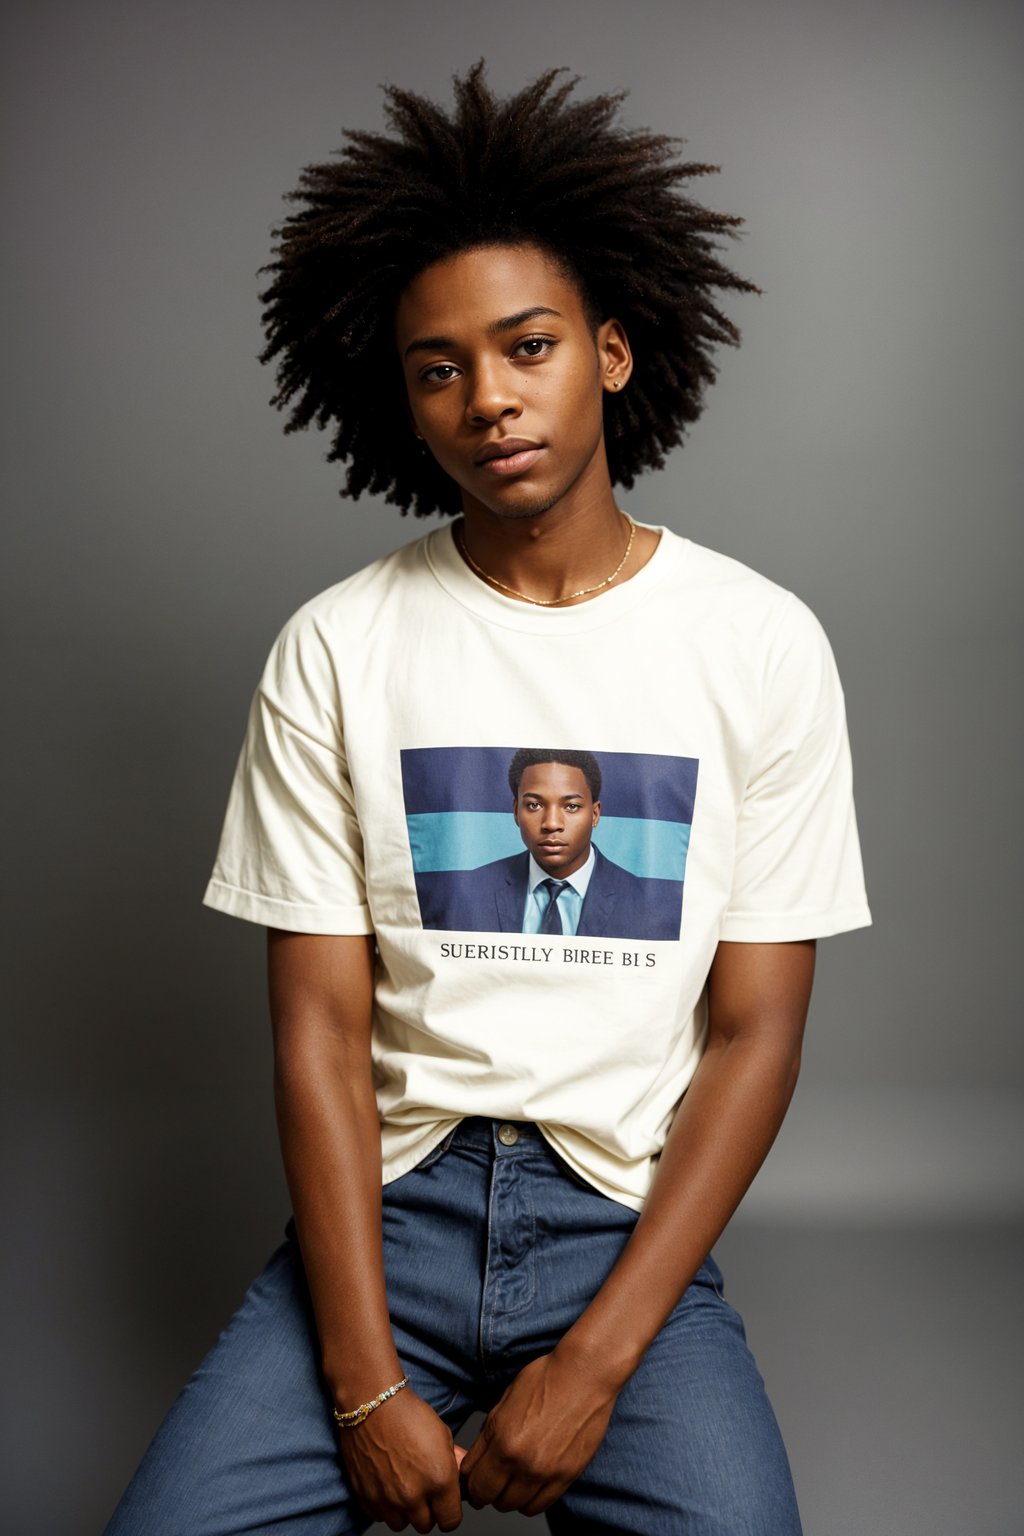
(858, 448)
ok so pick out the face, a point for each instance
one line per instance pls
(506, 378)
(556, 816)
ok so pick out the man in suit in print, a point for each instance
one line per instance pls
(562, 883)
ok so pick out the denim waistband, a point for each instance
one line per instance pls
(502, 1137)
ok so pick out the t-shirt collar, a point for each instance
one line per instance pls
(455, 576)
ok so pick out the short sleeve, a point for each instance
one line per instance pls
(291, 852)
(797, 871)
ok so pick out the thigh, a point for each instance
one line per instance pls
(693, 1448)
(250, 1444)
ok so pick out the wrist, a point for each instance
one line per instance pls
(352, 1382)
(351, 1418)
(606, 1364)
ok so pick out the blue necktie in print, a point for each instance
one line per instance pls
(552, 922)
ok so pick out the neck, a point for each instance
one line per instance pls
(555, 556)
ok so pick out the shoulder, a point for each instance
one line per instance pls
(347, 616)
(725, 587)
(376, 590)
(760, 620)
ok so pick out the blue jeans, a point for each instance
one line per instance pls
(491, 1253)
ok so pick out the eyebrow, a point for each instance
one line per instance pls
(533, 794)
(496, 328)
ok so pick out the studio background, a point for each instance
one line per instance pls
(859, 448)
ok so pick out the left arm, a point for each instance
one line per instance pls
(551, 1420)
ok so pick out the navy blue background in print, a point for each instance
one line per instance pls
(469, 860)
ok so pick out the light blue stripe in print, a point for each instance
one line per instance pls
(461, 839)
(655, 850)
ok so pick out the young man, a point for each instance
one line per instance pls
(508, 1169)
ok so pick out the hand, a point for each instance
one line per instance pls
(403, 1465)
(539, 1437)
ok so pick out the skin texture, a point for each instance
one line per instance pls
(555, 528)
(480, 366)
(556, 815)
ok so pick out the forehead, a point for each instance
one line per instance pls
(554, 781)
(466, 293)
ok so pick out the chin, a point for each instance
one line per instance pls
(528, 503)
(534, 509)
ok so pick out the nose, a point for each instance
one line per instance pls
(552, 819)
(493, 394)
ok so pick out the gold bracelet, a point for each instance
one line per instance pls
(357, 1415)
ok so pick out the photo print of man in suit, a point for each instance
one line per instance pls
(561, 883)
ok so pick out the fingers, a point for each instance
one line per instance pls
(496, 1482)
(479, 1477)
(446, 1513)
(441, 1504)
(524, 1497)
(494, 1494)
(518, 1495)
(447, 1507)
(446, 1498)
(544, 1498)
(486, 1485)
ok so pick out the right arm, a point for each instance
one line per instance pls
(400, 1460)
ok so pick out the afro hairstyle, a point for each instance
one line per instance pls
(538, 168)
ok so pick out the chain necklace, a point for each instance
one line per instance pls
(551, 602)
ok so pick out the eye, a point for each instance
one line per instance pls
(535, 346)
(439, 373)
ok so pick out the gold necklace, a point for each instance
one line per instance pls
(551, 602)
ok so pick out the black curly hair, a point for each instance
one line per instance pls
(530, 757)
(538, 168)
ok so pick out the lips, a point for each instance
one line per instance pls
(502, 447)
(508, 455)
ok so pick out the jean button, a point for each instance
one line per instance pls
(508, 1135)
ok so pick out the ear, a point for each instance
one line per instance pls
(597, 813)
(515, 809)
(614, 356)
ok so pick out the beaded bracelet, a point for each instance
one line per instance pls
(357, 1415)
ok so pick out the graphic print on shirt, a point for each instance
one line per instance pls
(549, 840)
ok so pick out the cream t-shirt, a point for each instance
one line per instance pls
(372, 796)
